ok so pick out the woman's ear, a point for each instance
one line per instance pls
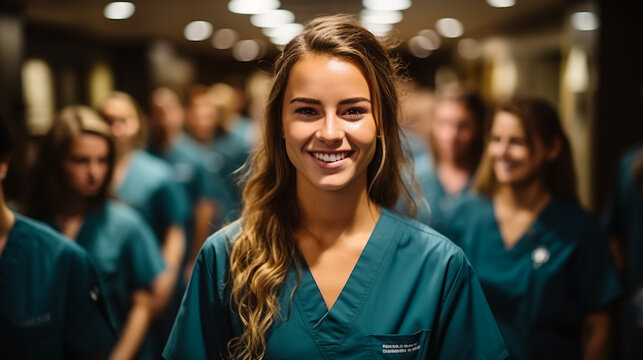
(554, 150)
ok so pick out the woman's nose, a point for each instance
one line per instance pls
(330, 130)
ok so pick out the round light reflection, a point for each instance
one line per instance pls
(449, 27)
(224, 38)
(272, 18)
(585, 21)
(432, 36)
(119, 10)
(387, 4)
(380, 16)
(246, 50)
(420, 47)
(252, 6)
(198, 30)
(378, 29)
(501, 3)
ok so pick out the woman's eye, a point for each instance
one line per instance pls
(306, 111)
(354, 112)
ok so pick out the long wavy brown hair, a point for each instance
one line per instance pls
(265, 248)
(48, 180)
(541, 123)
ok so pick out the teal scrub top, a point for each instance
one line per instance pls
(540, 290)
(440, 204)
(150, 189)
(411, 295)
(51, 306)
(125, 253)
(232, 151)
(624, 218)
(184, 158)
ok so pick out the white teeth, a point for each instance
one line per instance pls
(330, 157)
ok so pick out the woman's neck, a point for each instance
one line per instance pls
(531, 196)
(329, 215)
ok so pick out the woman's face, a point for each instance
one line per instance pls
(454, 130)
(328, 123)
(123, 119)
(514, 162)
(86, 164)
(201, 120)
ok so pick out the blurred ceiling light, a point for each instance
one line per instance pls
(119, 10)
(501, 3)
(420, 47)
(252, 6)
(282, 34)
(381, 16)
(584, 21)
(198, 30)
(469, 49)
(283, 30)
(432, 36)
(387, 4)
(224, 38)
(378, 29)
(246, 50)
(272, 18)
(449, 27)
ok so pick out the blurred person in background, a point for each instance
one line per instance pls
(170, 143)
(207, 121)
(455, 138)
(51, 305)
(317, 266)
(623, 221)
(146, 183)
(72, 179)
(543, 261)
(417, 106)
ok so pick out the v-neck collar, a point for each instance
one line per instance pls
(329, 327)
(526, 241)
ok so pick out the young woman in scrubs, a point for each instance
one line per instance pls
(147, 184)
(623, 220)
(318, 267)
(50, 304)
(455, 138)
(543, 262)
(72, 180)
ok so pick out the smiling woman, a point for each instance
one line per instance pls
(316, 255)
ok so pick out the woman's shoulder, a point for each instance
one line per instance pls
(421, 236)
(43, 241)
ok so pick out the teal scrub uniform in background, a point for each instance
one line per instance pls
(124, 252)
(411, 295)
(231, 150)
(624, 219)
(50, 304)
(150, 189)
(440, 204)
(189, 172)
(541, 289)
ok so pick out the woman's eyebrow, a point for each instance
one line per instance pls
(342, 102)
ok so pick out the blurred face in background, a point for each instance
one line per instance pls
(453, 131)
(86, 164)
(166, 116)
(201, 120)
(514, 161)
(123, 118)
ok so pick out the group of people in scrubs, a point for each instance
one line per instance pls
(333, 254)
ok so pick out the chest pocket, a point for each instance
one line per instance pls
(399, 346)
(36, 337)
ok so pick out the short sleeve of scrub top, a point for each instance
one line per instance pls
(51, 306)
(411, 295)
